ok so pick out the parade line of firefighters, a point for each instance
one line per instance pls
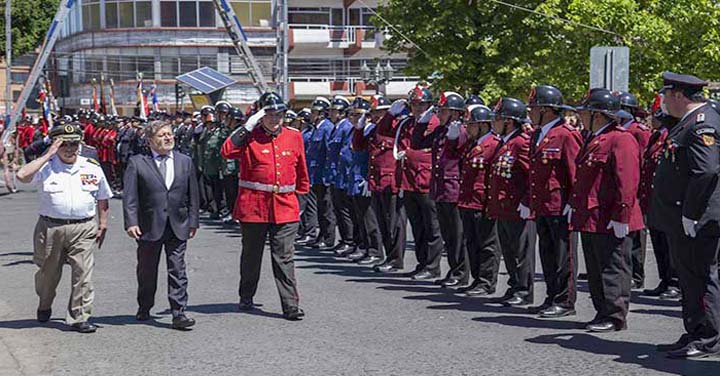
(477, 184)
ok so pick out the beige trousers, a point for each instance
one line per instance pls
(58, 244)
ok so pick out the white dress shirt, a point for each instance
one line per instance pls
(507, 136)
(70, 191)
(546, 128)
(169, 167)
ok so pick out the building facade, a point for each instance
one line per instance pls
(328, 42)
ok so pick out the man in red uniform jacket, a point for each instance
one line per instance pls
(604, 208)
(272, 172)
(509, 187)
(553, 148)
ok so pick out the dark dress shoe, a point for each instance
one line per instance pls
(453, 282)
(672, 293)
(517, 301)
(44, 315)
(537, 309)
(467, 288)
(305, 240)
(424, 275)
(359, 254)
(182, 322)
(582, 277)
(317, 244)
(684, 340)
(636, 284)
(246, 305)
(556, 311)
(294, 314)
(84, 327)
(387, 268)
(440, 282)
(342, 250)
(604, 326)
(656, 291)
(479, 291)
(371, 260)
(142, 316)
(690, 351)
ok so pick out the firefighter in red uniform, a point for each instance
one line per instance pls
(509, 187)
(604, 208)
(479, 230)
(415, 184)
(554, 145)
(668, 289)
(384, 186)
(446, 142)
(631, 113)
(272, 172)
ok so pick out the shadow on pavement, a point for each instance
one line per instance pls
(665, 312)
(218, 308)
(19, 262)
(16, 254)
(641, 354)
(531, 322)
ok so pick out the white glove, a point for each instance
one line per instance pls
(397, 107)
(619, 229)
(524, 211)
(47, 140)
(453, 132)
(360, 123)
(401, 194)
(364, 191)
(400, 156)
(198, 129)
(567, 211)
(254, 120)
(426, 116)
(689, 227)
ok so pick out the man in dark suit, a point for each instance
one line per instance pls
(160, 205)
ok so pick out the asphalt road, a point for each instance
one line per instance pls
(358, 322)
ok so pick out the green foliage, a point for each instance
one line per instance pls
(30, 22)
(486, 47)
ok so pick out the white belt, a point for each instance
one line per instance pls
(273, 188)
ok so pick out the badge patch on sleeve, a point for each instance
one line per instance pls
(708, 139)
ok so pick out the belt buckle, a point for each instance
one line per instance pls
(276, 188)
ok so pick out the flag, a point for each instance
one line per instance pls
(141, 100)
(46, 121)
(153, 97)
(113, 109)
(95, 104)
(51, 97)
(103, 103)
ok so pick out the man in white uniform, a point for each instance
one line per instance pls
(72, 189)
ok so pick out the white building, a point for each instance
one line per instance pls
(329, 41)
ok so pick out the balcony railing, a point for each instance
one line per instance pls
(340, 34)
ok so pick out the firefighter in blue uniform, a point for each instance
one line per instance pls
(339, 158)
(308, 230)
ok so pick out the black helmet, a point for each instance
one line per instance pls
(320, 104)
(236, 114)
(290, 116)
(511, 108)
(360, 105)
(271, 101)
(205, 110)
(600, 100)
(474, 99)
(478, 113)
(304, 115)
(223, 107)
(452, 101)
(547, 96)
(340, 103)
(627, 99)
(379, 102)
(420, 94)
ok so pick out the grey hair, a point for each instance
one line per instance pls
(155, 126)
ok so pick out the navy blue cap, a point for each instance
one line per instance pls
(685, 82)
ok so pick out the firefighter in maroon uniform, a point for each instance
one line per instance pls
(272, 172)
(479, 230)
(509, 187)
(604, 208)
(447, 142)
(630, 121)
(668, 289)
(384, 186)
(553, 148)
(415, 185)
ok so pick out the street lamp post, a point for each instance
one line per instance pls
(378, 76)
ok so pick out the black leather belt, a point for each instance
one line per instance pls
(66, 221)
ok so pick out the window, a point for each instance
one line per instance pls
(354, 17)
(206, 12)
(111, 15)
(91, 16)
(337, 17)
(253, 12)
(143, 14)
(188, 14)
(309, 16)
(169, 67)
(125, 14)
(168, 13)
(188, 64)
(146, 65)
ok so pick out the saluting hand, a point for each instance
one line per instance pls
(453, 132)
(397, 107)
(426, 116)
(54, 147)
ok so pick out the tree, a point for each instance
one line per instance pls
(496, 49)
(30, 22)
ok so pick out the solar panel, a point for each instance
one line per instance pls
(206, 80)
